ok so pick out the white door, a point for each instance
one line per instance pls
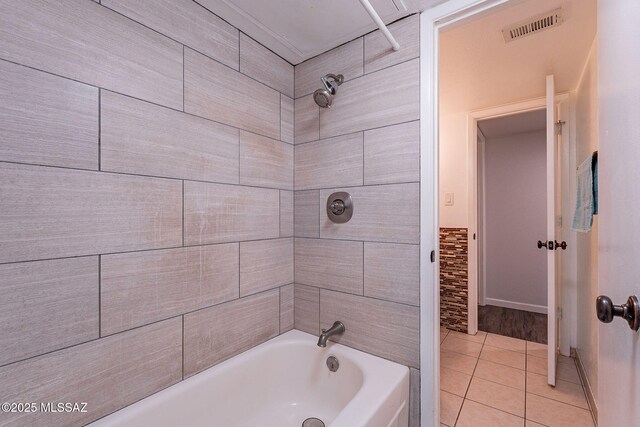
(619, 206)
(554, 233)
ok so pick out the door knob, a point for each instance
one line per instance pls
(548, 245)
(562, 245)
(606, 311)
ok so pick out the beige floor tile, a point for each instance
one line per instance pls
(443, 335)
(556, 414)
(506, 343)
(454, 382)
(536, 349)
(474, 414)
(503, 357)
(532, 424)
(479, 337)
(566, 360)
(537, 365)
(458, 361)
(500, 374)
(497, 396)
(564, 391)
(449, 408)
(461, 346)
(568, 372)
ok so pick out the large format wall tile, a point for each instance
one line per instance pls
(187, 22)
(47, 305)
(219, 93)
(217, 213)
(265, 162)
(47, 120)
(265, 66)
(265, 264)
(392, 272)
(414, 397)
(392, 154)
(378, 53)
(286, 213)
(286, 308)
(142, 138)
(218, 333)
(107, 374)
(383, 213)
(307, 120)
(306, 211)
(144, 287)
(379, 99)
(286, 119)
(85, 41)
(306, 308)
(383, 328)
(52, 212)
(329, 162)
(346, 60)
(329, 264)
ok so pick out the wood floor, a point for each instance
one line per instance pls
(509, 322)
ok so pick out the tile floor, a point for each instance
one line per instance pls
(495, 381)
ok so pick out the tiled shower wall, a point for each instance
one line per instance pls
(364, 272)
(146, 199)
(454, 278)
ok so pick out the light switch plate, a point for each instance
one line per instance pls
(448, 199)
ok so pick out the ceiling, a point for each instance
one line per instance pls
(530, 121)
(479, 70)
(301, 29)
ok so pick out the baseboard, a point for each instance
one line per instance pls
(586, 385)
(516, 305)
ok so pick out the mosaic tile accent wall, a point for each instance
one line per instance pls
(454, 278)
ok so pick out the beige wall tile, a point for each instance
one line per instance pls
(329, 264)
(392, 154)
(90, 43)
(143, 287)
(265, 162)
(286, 213)
(217, 213)
(307, 209)
(47, 305)
(414, 398)
(307, 120)
(382, 328)
(372, 219)
(392, 272)
(346, 60)
(286, 308)
(371, 101)
(107, 374)
(219, 93)
(47, 120)
(53, 212)
(265, 264)
(306, 309)
(186, 22)
(141, 138)
(265, 66)
(218, 333)
(286, 119)
(378, 53)
(329, 162)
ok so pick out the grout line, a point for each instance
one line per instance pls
(99, 129)
(183, 231)
(99, 296)
(182, 346)
(183, 78)
(355, 131)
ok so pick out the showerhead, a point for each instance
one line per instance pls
(324, 97)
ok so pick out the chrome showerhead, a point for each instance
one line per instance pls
(324, 97)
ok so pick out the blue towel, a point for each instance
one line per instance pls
(583, 218)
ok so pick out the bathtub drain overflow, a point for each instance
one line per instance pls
(332, 363)
(312, 422)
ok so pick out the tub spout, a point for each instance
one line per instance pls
(336, 329)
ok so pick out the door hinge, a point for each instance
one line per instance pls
(559, 313)
(559, 125)
(433, 256)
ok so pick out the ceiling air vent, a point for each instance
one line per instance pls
(533, 25)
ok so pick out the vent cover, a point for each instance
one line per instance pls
(533, 25)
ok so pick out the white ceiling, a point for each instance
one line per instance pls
(301, 29)
(530, 121)
(479, 70)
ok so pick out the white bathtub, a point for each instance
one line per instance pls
(281, 383)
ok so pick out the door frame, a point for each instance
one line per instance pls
(432, 21)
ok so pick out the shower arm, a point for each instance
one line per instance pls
(383, 28)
